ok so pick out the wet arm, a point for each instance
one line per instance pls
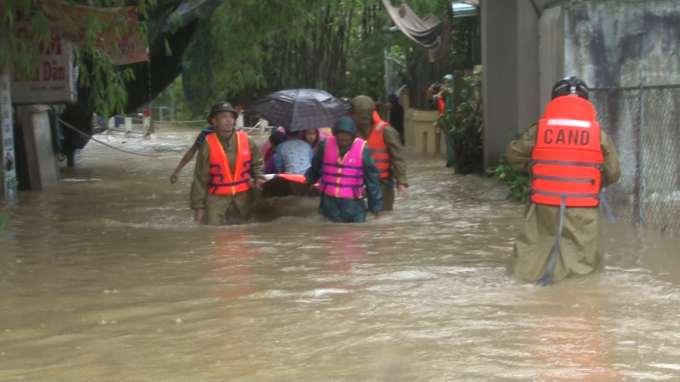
(372, 181)
(393, 142)
(256, 158)
(188, 156)
(199, 187)
(430, 97)
(519, 151)
(612, 167)
(313, 173)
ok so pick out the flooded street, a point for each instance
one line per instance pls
(106, 277)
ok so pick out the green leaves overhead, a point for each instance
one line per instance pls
(103, 76)
(254, 47)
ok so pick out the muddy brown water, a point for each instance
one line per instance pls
(105, 277)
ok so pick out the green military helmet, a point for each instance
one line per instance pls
(221, 106)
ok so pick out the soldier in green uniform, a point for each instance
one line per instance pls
(385, 139)
(227, 166)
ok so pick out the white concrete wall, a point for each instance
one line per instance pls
(42, 161)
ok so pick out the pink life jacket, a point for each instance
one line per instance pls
(343, 177)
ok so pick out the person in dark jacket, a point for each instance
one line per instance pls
(396, 114)
(343, 164)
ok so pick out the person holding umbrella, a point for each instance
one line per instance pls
(386, 146)
(343, 164)
(228, 164)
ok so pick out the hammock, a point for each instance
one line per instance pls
(429, 32)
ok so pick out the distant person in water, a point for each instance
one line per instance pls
(227, 168)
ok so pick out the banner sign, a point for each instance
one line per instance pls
(116, 26)
(52, 80)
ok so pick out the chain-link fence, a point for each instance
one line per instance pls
(644, 124)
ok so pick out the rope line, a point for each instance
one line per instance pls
(106, 144)
(98, 141)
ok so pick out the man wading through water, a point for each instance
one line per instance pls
(386, 146)
(227, 165)
(568, 159)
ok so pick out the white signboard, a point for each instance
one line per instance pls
(53, 78)
(7, 135)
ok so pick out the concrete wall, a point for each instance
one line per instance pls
(609, 43)
(550, 53)
(499, 77)
(527, 65)
(419, 133)
(510, 75)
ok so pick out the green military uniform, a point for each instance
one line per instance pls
(364, 107)
(346, 210)
(581, 249)
(220, 209)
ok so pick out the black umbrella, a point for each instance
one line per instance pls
(299, 109)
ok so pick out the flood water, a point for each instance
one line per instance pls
(105, 277)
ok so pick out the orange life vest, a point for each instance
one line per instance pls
(566, 163)
(381, 154)
(222, 180)
(441, 104)
(376, 117)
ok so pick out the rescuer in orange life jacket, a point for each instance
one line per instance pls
(569, 159)
(227, 166)
(385, 144)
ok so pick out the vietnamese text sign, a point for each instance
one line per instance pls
(52, 80)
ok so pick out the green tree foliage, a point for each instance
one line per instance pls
(517, 181)
(97, 69)
(463, 126)
(253, 47)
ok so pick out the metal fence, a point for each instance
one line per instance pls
(644, 124)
